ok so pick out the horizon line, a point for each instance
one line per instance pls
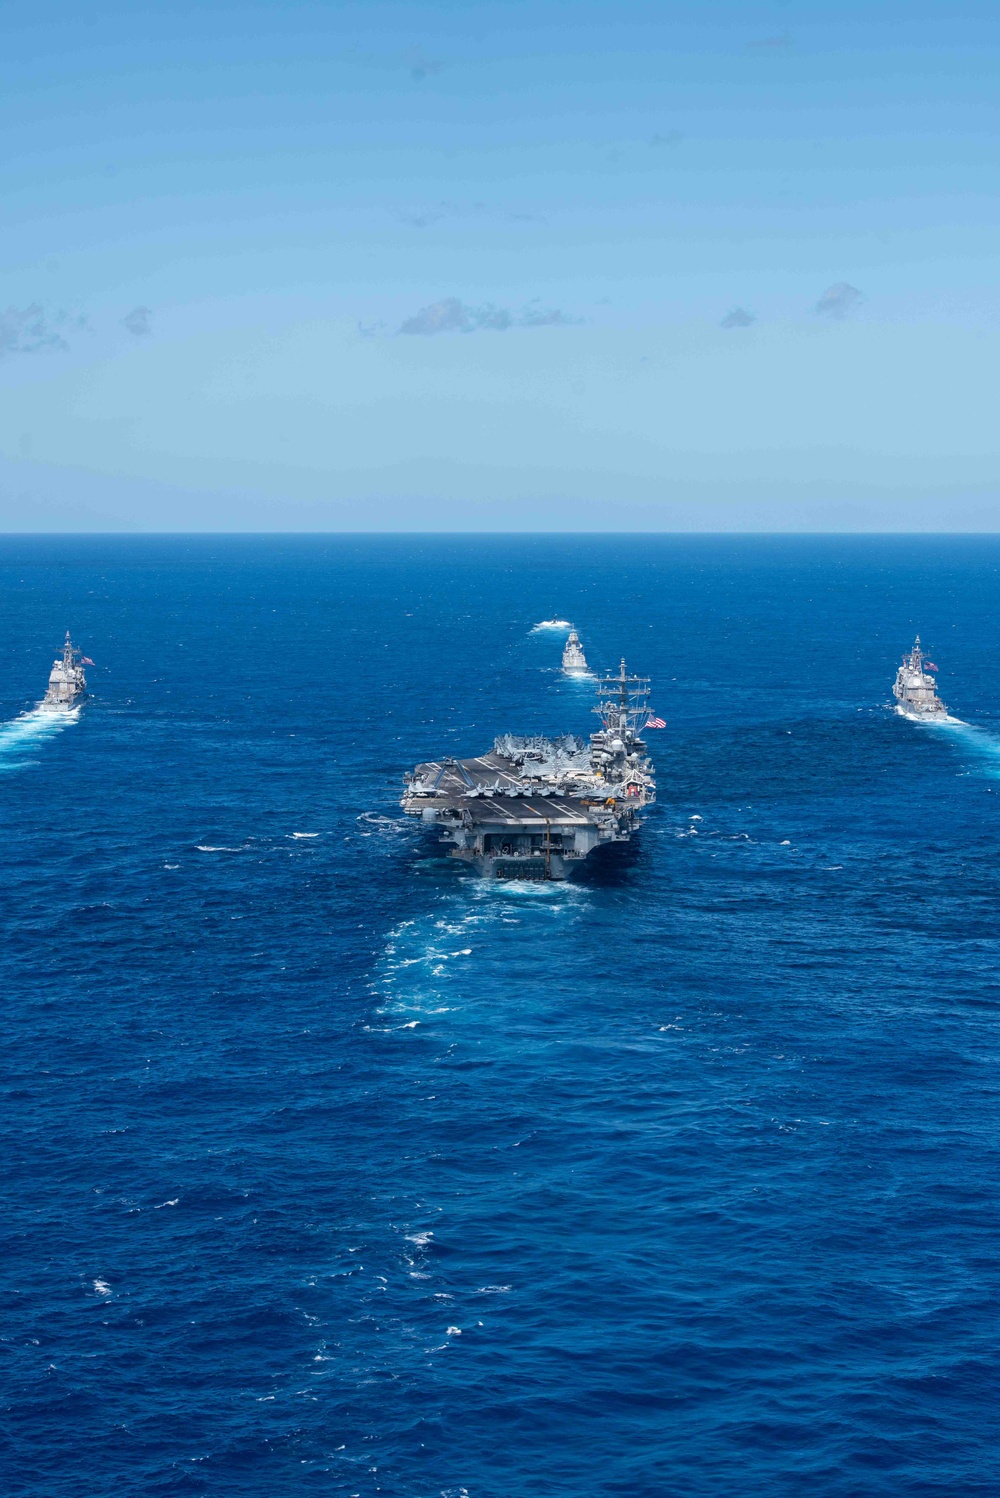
(520, 534)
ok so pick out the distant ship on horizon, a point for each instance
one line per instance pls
(915, 690)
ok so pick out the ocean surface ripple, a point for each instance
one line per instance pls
(332, 1169)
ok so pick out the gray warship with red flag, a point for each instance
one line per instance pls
(915, 689)
(536, 808)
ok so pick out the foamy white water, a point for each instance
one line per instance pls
(22, 734)
(430, 965)
(979, 742)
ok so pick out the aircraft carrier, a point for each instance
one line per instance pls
(536, 808)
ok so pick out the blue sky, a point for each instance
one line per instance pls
(543, 266)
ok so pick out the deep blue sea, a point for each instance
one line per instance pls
(330, 1168)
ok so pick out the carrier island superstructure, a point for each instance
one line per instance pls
(535, 808)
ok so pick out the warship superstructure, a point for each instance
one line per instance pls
(67, 681)
(535, 808)
(915, 690)
(574, 662)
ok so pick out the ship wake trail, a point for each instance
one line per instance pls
(21, 735)
(447, 960)
(979, 743)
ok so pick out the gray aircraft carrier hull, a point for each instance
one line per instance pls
(492, 820)
(536, 808)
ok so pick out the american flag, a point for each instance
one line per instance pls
(656, 723)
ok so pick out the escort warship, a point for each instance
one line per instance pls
(574, 662)
(915, 690)
(67, 681)
(536, 808)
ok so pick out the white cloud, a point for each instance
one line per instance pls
(450, 315)
(839, 301)
(137, 322)
(26, 330)
(739, 317)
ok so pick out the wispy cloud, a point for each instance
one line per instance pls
(432, 213)
(137, 322)
(771, 44)
(672, 138)
(839, 301)
(534, 316)
(739, 317)
(426, 215)
(423, 218)
(28, 330)
(450, 315)
(421, 66)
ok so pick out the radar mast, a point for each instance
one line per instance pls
(623, 703)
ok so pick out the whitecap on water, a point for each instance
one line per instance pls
(383, 823)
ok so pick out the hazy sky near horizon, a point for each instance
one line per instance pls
(505, 265)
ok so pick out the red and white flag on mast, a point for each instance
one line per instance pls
(656, 723)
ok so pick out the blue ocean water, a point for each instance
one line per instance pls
(332, 1169)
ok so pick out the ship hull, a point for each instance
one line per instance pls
(532, 870)
(925, 715)
(68, 706)
(58, 702)
(559, 868)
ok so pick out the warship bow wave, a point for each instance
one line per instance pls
(535, 808)
(574, 662)
(915, 689)
(67, 681)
